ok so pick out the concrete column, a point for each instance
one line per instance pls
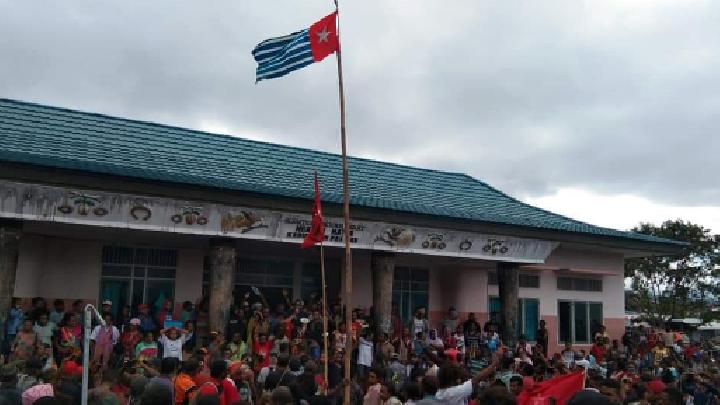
(383, 271)
(9, 248)
(508, 289)
(222, 282)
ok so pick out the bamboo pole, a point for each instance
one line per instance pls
(325, 312)
(346, 214)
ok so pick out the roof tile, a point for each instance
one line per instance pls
(63, 138)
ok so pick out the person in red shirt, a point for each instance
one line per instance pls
(598, 350)
(220, 385)
(261, 349)
(356, 326)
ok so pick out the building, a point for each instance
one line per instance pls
(97, 207)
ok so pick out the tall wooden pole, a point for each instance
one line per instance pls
(325, 312)
(346, 214)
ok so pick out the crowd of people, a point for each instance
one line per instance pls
(155, 355)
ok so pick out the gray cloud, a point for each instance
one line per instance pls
(613, 96)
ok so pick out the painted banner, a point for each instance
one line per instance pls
(99, 208)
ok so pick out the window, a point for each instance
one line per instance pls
(528, 315)
(579, 284)
(410, 290)
(132, 276)
(270, 276)
(578, 321)
(526, 280)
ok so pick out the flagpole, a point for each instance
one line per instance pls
(325, 312)
(346, 213)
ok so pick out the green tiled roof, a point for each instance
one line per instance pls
(57, 137)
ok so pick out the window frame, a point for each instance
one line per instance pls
(589, 327)
(523, 313)
(492, 279)
(134, 266)
(404, 287)
(576, 283)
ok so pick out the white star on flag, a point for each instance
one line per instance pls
(323, 35)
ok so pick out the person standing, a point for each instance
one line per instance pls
(541, 337)
(103, 340)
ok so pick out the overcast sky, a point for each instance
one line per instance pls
(606, 111)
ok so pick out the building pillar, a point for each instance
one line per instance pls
(222, 282)
(508, 275)
(383, 271)
(9, 248)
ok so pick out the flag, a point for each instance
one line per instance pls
(279, 56)
(317, 228)
(562, 388)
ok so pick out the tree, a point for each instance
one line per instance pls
(677, 286)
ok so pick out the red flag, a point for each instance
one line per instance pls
(562, 388)
(317, 228)
(323, 37)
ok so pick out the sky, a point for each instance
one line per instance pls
(605, 111)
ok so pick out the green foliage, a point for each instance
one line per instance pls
(681, 285)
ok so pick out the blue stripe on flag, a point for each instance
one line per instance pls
(279, 56)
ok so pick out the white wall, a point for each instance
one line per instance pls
(54, 267)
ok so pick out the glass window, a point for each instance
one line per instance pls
(133, 276)
(596, 318)
(578, 321)
(410, 290)
(564, 324)
(525, 280)
(270, 276)
(580, 318)
(528, 315)
(579, 284)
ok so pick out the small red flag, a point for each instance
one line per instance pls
(323, 37)
(317, 227)
(562, 388)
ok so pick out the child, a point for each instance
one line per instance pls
(25, 341)
(130, 338)
(44, 329)
(44, 354)
(365, 353)
(237, 347)
(103, 339)
(147, 349)
(15, 320)
(172, 341)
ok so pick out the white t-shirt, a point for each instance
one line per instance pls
(172, 348)
(457, 395)
(45, 332)
(365, 352)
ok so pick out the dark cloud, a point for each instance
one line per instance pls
(613, 96)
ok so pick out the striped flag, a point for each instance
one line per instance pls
(279, 56)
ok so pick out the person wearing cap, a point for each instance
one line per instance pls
(146, 322)
(130, 338)
(106, 307)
